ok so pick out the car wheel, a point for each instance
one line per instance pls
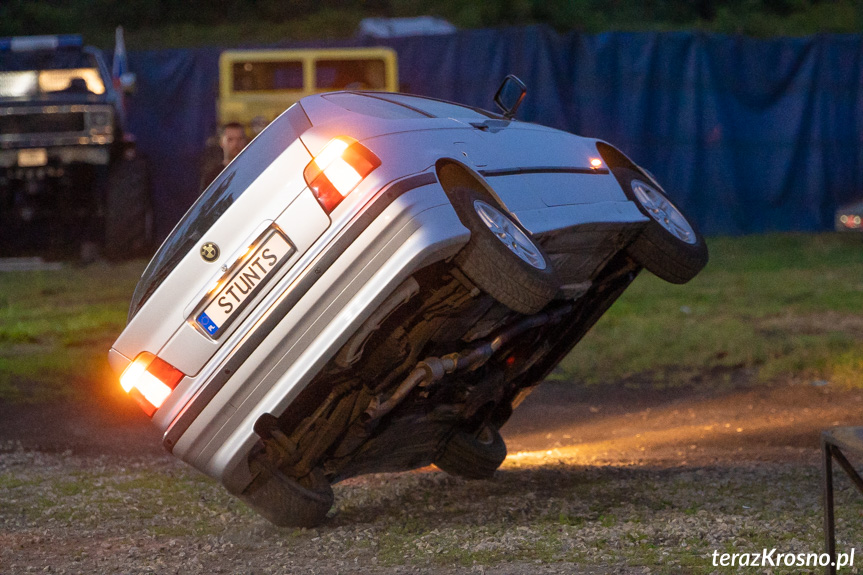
(501, 258)
(128, 211)
(287, 502)
(472, 455)
(670, 245)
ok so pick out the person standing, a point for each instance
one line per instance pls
(232, 140)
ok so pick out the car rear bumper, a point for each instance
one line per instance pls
(409, 225)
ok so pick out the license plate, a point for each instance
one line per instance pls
(32, 158)
(245, 283)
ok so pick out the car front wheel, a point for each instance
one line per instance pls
(501, 257)
(670, 245)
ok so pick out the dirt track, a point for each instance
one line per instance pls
(601, 424)
(778, 423)
(624, 435)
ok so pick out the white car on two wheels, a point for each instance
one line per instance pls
(375, 283)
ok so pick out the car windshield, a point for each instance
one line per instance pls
(26, 74)
(218, 197)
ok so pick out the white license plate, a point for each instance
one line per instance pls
(32, 158)
(241, 286)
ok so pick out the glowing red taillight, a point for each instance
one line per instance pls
(338, 169)
(150, 381)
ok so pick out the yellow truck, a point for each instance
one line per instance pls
(255, 86)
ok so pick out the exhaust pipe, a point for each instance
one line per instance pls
(433, 369)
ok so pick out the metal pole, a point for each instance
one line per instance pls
(829, 525)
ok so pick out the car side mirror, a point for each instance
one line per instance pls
(510, 95)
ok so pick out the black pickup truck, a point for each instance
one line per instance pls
(71, 182)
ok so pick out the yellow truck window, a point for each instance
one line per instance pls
(350, 74)
(265, 76)
(255, 86)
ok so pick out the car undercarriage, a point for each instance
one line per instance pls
(438, 362)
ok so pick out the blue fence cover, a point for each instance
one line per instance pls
(747, 135)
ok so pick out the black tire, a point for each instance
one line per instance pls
(495, 268)
(665, 254)
(128, 211)
(472, 455)
(287, 502)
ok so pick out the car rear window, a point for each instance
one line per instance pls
(218, 197)
(437, 108)
(370, 106)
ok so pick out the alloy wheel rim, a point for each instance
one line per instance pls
(509, 234)
(663, 211)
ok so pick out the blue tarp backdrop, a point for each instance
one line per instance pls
(746, 135)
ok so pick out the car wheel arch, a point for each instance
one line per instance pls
(453, 174)
(523, 278)
(614, 158)
(617, 162)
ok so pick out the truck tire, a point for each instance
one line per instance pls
(128, 211)
(501, 257)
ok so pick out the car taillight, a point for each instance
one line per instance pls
(338, 169)
(150, 381)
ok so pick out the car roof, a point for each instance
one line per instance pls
(365, 115)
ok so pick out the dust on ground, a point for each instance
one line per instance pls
(628, 434)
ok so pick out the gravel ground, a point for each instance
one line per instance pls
(652, 485)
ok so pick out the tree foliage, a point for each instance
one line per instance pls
(158, 23)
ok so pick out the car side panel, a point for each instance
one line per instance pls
(530, 146)
(536, 191)
(579, 236)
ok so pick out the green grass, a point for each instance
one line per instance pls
(56, 328)
(670, 519)
(89, 498)
(787, 305)
(779, 306)
(784, 305)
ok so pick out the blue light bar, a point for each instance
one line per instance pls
(29, 43)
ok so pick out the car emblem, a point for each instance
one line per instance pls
(210, 252)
